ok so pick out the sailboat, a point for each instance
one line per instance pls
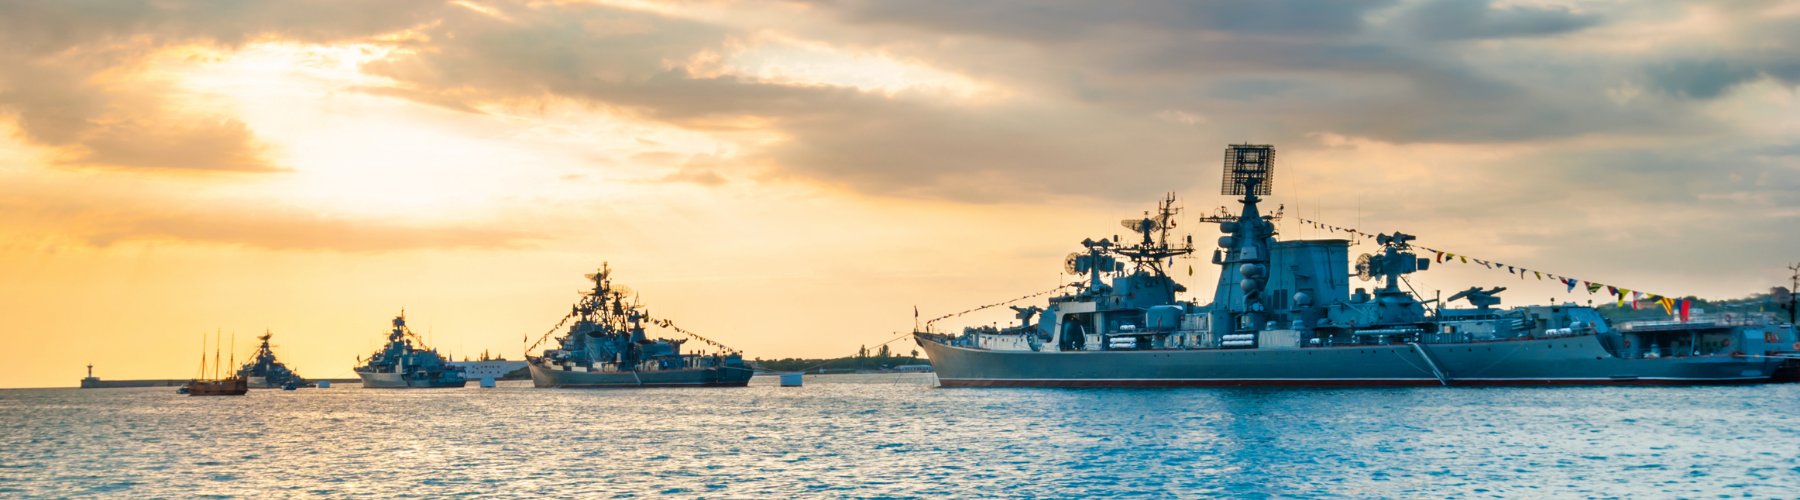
(234, 385)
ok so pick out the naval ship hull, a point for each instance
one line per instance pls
(1560, 361)
(399, 381)
(264, 383)
(551, 376)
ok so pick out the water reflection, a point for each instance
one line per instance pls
(898, 436)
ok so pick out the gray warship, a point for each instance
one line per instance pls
(606, 347)
(263, 371)
(401, 364)
(1283, 314)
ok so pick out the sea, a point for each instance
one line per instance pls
(900, 436)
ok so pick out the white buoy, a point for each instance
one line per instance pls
(324, 384)
(790, 379)
(487, 382)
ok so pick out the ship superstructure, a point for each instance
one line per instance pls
(1284, 313)
(263, 371)
(605, 345)
(406, 362)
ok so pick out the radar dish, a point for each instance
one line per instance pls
(621, 290)
(1364, 270)
(1072, 263)
(1143, 226)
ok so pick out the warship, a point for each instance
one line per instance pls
(1283, 313)
(605, 346)
(263, 371)
(400, 364)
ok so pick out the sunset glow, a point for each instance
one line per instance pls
(794, 178)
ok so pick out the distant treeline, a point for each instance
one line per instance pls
(863, 360)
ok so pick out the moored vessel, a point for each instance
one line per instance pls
(605, 346)
(1283, 313)
(402, 364)
(202, 385)
(263, 371)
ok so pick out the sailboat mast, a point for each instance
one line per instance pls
(233, 364)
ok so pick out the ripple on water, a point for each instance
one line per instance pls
(899, 437)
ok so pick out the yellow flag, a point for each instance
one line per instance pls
(1539, 275)
(1668, 305)
(1622, 293)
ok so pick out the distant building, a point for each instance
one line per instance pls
(913, 368)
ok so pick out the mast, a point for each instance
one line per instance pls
(215, 355)
(1238, 299)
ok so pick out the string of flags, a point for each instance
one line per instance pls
(1623, 296)
(553, 329)
(997, 304)
(670, 324)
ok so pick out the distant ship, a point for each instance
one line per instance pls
(215, 386)
(1283, 314)
(400, 364)
(489, 367)
(263, 371)
(607, 347)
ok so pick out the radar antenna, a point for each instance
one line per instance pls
(1249, 170)
(1155, 248)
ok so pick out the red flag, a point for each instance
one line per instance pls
(1684, 310)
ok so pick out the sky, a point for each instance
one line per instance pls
(793, 178)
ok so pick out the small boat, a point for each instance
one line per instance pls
(233, 386)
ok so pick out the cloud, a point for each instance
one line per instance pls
(281, 230)
(69, 73)
(701, 177)
(1479, 19)
(1698, 79)
(1088, 86)
(1065, 21)
(102, 212)
(226, 145)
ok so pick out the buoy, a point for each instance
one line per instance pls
(790, 379)
(324, 384)
(487, 382)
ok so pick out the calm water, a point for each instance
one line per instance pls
(898, 436)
